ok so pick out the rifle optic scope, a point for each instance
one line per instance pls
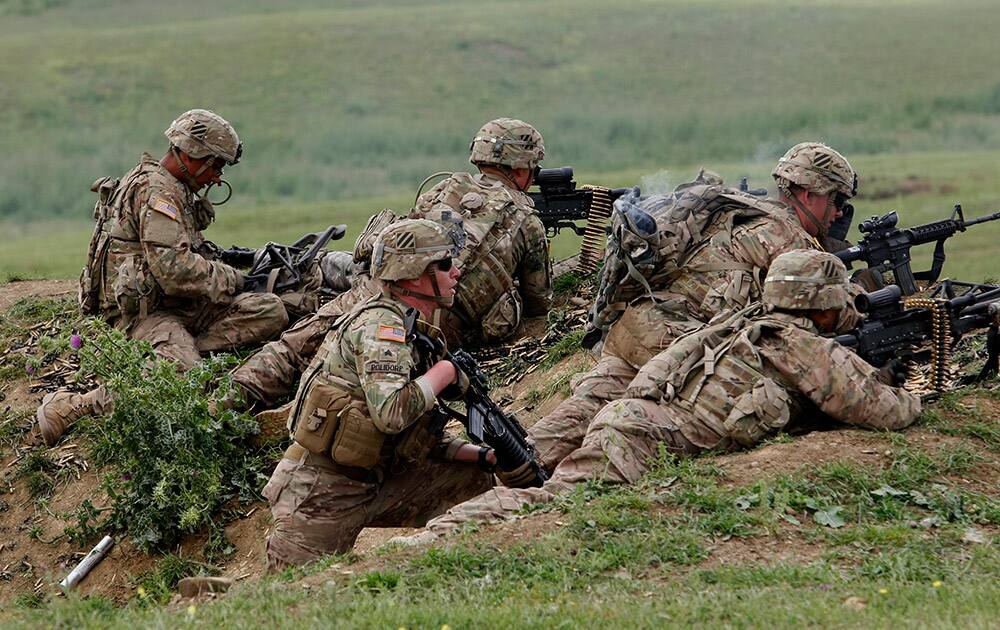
(884, 222)
(547, 177)
(877, 300)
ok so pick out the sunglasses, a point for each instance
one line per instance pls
(444, 265)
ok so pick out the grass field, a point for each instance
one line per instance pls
(921, 186)
(351, 99)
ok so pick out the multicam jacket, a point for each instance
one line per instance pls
(724, 272)
(741, 380)
(363, 386)
(156, 256)
(505, 271)
(505, 261)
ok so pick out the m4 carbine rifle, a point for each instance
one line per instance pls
(484, 421)
(277, 268)
(895, 325)
(886, 247)
(560, 204)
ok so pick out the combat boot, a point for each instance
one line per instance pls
(61, 409)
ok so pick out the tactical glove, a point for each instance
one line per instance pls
(521, 477)
(256, 283)
(893, 373)
(456, 391)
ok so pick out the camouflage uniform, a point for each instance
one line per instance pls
(179, 300)
(504, 264)
(722, 274)
(151, 273)
(728, 386)
(368, 450)
(704, 288)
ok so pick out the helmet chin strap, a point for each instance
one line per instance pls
(820, 229)
(191, 180)
(437, 298)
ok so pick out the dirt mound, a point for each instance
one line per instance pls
(34, 556)
(12, 292)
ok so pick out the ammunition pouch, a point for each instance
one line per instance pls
(358, 442)
(415, 443)
(320, 416)
(504, 316)
(759, 413)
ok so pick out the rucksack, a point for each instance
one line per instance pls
(92, 276)
(652, 239)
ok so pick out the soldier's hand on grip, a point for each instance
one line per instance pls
(521, 477)
(894, 373)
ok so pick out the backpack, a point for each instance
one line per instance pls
(652, 239)
(92, 275)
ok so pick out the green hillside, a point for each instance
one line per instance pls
(922, 187)
(351, 99)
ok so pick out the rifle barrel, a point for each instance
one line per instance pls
(983, 219)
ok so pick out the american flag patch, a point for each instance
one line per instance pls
(391, 333)
(163, 207)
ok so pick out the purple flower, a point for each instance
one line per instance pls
(76, 342)
(30, 369)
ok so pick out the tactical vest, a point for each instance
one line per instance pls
(116, 279)
(719, 378)
(330, 415)
(92, 275)
(695, 216)
(486, 298)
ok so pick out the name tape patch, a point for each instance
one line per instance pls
(385, 367)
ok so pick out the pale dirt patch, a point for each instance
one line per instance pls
(12, 292)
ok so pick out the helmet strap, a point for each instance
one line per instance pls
(190, 180)
(820, 229)
(437, 298)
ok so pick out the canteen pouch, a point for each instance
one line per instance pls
(320, 416)
(759, 413)
(358, 441)
(504, 316)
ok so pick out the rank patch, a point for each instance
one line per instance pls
(162, 206)
(391, 333)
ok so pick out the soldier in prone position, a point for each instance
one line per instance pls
(722, 272)
(738, 381)
(150, 271)
(369, 449)
(503, 260)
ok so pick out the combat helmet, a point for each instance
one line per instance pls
(201, 133)
(507, 142)
(806, 279)
(404, 249)
(817, 168)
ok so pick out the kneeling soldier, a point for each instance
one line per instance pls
(369, 449)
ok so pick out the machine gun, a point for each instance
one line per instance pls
(560, 204)
(886, 247)
(484, 421)
(895, 325)
(277, 267)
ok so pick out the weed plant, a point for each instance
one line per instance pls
(173, 463)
